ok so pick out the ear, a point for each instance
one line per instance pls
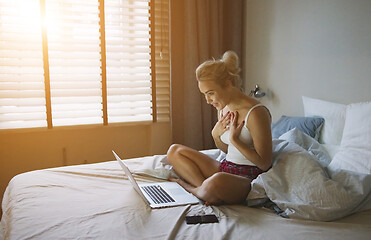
(228, 84)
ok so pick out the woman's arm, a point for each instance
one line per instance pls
(259, 125)
(219, 144)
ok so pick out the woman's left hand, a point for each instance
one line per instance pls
(235, 130)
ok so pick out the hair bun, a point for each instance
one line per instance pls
(231, 61)
(221, 71)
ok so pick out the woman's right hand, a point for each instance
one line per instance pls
(222, 125)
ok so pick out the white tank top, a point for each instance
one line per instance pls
(233, 154)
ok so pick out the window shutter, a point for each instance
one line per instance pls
(22, 94)
(162, 53)
(128, 60)
(74, 60)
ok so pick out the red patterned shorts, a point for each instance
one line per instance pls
(247, 171)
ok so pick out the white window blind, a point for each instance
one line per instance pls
(162, 57)
(90, 59)
(128, 55)
(22, 94)
(74, 61)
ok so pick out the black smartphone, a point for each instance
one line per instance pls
(209, 218)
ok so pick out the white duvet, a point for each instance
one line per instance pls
(302, 187)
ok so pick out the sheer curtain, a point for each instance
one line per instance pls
(200, 30)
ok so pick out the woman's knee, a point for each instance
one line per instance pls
(212, 188)
(173, 151)
(228, 188)
(215, 182)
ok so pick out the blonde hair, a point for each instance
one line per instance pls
(220, 71)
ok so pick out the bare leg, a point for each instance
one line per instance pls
(221, 188)
(191, 165)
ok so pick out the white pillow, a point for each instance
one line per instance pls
(334, 115)
(357, 128)
(355, 149)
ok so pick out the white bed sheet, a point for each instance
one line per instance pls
(96, 201)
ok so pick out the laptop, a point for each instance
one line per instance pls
(159, 195)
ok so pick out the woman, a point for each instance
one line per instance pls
(242, 131)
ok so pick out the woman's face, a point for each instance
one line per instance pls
(215, 94)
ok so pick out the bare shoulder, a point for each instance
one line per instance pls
(259, 116)
(259, 124)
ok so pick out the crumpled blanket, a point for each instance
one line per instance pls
(302, 187)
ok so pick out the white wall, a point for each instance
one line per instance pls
(316, 48)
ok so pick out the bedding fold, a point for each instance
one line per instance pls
(302, 187)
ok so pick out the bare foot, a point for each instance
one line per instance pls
(185, 185)
(199, 192)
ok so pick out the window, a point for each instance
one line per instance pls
(74, 62)
(22, 95)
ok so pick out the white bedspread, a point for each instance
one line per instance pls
(96, 201)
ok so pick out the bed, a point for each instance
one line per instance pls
(318, 188)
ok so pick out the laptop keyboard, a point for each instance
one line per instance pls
(157, 194)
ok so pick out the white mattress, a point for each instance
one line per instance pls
(96, 201)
